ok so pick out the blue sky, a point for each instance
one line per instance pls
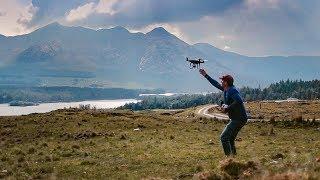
(249, 27)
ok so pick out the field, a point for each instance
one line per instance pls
(122, 144)
(282, 110)
(285, 110)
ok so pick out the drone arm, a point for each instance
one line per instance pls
(214, 82)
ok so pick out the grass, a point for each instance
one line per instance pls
(285, 110)
(121, 144)
(282, 110)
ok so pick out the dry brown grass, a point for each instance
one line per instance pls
(285, 110)
(296, 111)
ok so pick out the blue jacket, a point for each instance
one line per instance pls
(232, 98)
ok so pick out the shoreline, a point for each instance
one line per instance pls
(7, 110)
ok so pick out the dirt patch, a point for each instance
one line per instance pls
(207, 176)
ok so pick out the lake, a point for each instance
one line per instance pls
(6, 110)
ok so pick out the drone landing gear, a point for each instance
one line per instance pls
(194, 66)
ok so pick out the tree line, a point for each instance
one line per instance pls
(307, 90)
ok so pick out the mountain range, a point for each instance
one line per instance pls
(77, 56)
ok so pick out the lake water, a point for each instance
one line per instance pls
(6, 110)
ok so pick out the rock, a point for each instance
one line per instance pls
(211, 142)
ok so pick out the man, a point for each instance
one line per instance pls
(233, 105)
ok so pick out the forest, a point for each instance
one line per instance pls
(306, 90)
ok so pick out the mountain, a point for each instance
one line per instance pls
(40, 52)
(77, 56)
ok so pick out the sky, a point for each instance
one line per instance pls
(248, 27)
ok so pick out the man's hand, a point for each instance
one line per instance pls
(222, 108)
(202, 72)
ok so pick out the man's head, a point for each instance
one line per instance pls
(227, 81)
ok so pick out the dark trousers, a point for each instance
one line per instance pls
(229, 135)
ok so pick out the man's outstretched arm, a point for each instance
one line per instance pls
(212, 81)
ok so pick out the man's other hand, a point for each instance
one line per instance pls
(222, 109)
(202, 72)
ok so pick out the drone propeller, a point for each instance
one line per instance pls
(202, 60)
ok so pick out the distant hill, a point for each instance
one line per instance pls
(57, 55)
(67, 94)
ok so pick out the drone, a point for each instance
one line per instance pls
(195, 63)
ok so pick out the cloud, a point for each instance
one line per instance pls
(261, 28)
(106, 7)
(262, 3)
(250, 27)
(14, 16)
(82, 12)
(54, 10)
(25, 18)
(2, 13)
(139, 13)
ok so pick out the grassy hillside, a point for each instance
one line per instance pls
(121, 144)
(67, 93)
